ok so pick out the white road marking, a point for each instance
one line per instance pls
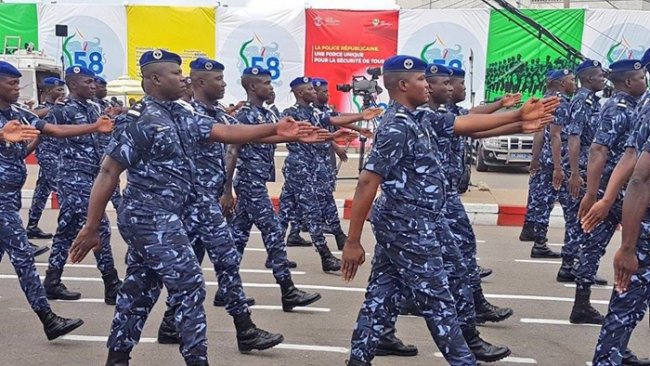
(594, 287)
(554, 322)
(541, 298)
(481, 241)
(523, 360)
(537, 261)
(241, 270)
(288, 346)
(300, 309)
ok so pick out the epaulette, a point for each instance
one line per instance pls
(246, 105)
(63, 101)
(589, 100)
(622, 104)
(185, 105)
(401, 116)
(136, 110)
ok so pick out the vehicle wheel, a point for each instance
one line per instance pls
(480, 164)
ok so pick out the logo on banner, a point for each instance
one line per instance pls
(623, 50)
(442, 53)
(92, 45)
(319, 21)
(255, 52)
(631, 44)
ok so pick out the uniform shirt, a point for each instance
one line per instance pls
(48, 148)
(641, 131)
(210, 157)
(158, 148)
(584, 110)
(13, 171)
(101, 105)
(256, 160)
(405, 155)
(307, 154)
(561, 118)
(82, 153)
(458, 145)
(616, 123)
(329, 111)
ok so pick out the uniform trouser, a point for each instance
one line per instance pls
(299, 195)
(626, 310)
(160, 254)
(538, 210)
(461, 227)
(209, 231)
(573, 235)
(254, 206)
(594, 244)
(329, 211)
(45, 184)
(13, 241)
(407, 262)
(74, 196)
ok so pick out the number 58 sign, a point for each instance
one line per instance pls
(92, 61)
(271, 63)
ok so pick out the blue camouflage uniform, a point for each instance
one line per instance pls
(616, 123)
(405, 221)
(584, 110)
(158, 149)
(102, 105)
(255, 167)
(206, 227)
(78, 166)
(627, 310)
(299, 192)
(47, 153)
(13, 238)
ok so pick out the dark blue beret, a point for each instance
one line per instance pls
(404, 63)
(625, 65)
(549, 73)
(100, 80)
(588, 64)
(437, 70)
(79, 70)
(9, 70)
(300, 81)
(319, 82)
(156, 56)
(456, 72)
(256, 71)
(559, 74)
(53, 82)
(204, 64)
(645, 60)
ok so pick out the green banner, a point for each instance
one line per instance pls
(18, 20)
(517, 61)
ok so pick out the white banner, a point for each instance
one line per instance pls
(96, 36)
(449, 37)
(274, 40)
(612, 35)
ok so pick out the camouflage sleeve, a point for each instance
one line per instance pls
(608, 130)
(389, 148)
(562, 114)
(130, 144)
(205, 127)
(443, 124)
(35, 121)
(578, 117)
(243, 118)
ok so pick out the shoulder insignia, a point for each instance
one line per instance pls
(401, 116)
(163, 128)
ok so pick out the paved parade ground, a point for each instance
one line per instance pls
(538, 333)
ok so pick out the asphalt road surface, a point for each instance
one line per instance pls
(538, 333)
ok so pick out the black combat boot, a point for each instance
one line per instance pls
(117, 358)
(34, 232)
(583, 312)
(600, 281)
(630, 359)
(353, 362)
(564, 274)
(484, 272)
(220, 302)
(527, 232)
(112, 285)
(269, 265)
(486, 312)
(250, 337)
(295, 240)
(56, 326)
(38, 250)
(329, 262)
(54, 289)
(541, 250)
(482, 350)
(340, 240)
(392, 346)
(293, 297)
(167, 332)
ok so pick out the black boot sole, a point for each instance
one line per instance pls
(565, 279)
(260, 347)
(582, 320)
(552, 255)
(37, 236)
(331, 269)
(494, 358)
(392, 352)
(526, 238)
(288, 308)
(168, 340)
(495, 320)
(41, 251)
(65, 331)
(484, 274)
(57, 297)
